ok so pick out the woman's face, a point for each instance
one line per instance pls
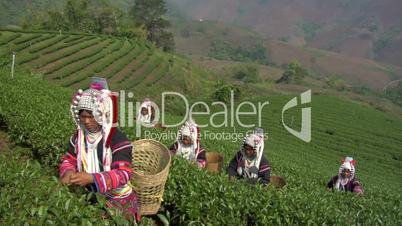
(144, 111)
(250, 152)
(186, 140)
(346, 173)
(88, 120)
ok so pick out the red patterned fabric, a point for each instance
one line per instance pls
(106, 182)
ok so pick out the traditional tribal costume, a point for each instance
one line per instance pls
(194, 151)
(341, 183)
(149, 117)
(253, 169)
(105, 154)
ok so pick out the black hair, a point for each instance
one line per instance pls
(82, 110)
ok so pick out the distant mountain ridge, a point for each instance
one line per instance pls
(360, 28)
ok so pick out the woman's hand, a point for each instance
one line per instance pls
(252, 181)
(81, 178)
(65, 180)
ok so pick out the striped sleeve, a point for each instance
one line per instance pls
(233, 164)
(357, 187)
(173, 148)
(201, 158)
(264, 171)
(122, 148)
(69, 160)
(117, 177)
(121, 170)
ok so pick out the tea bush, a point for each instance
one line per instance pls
(36, 114)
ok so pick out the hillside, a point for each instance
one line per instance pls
(195, 38)
(70, 60)
(358, 28)
(11, 12)
(373, 139)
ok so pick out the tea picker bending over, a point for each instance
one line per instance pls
(346, 179)
(188, 144)
(250, 163)
(99, 155)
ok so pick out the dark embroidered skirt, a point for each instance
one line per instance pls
(128, 206)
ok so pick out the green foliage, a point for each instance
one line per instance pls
(70, 59)
(223, 92)
(49, 42)
(335, 82)
(395, 93)
(40, 198)
(135, 76)
(27, 58)
(156, 75)
(247, 73)
(73, 17)
(36, 122)
(11, 12)
(135, 53)
(28, 44)
(8, 37)
(149, 13)
(38, 116)
(100, 51)
(5, 60)
(114, 57)
(166, 41)
(70, 51)
(75, 39)
(152, 65)
(222, 203)
(125, 58)
(223, 50)
(294, 74)
(26, 38)
(77, 68)
(83, 16)
(70, 41)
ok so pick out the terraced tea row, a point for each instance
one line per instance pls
(71, 59)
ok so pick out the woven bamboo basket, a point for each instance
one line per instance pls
(277, 181)
(214, 162)
(151, 163)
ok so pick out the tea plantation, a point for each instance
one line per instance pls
(35, 114)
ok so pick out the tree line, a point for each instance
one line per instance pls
(144, 20)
